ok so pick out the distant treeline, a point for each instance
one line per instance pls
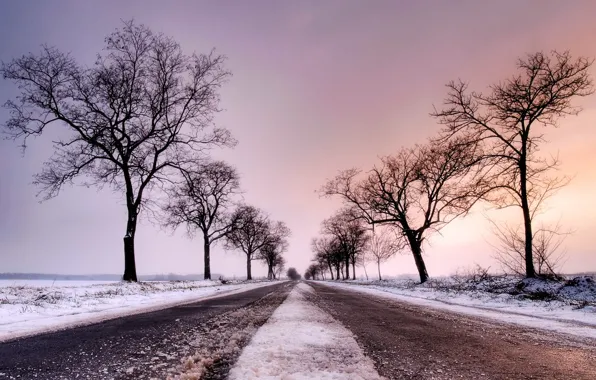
(100, 277)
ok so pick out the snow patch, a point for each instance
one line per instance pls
(300, 341)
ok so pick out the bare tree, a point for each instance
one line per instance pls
(143, 110)
(293, 274)
(327, 253)
(251, 233)
(363, 260)
(279, 266)
(321, 261)
(547, 254)
(351, 235)
(384, 245)
(269, 254)
(509, 122)
(275, 246)
(417, 191)
(314, 272)
(203, 201)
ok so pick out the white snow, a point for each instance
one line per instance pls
(31, 307)
(553, 315)
(52, 283)
(300, 341)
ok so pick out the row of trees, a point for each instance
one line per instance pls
(140, 120)
(487, 150)
(347, 240)
(344, 239)
(293, 274)
(205, 200)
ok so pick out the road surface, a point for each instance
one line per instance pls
(141, 346)
(404, 341)
(410, 342)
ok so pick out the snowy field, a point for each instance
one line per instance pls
(567, 306)
(52, 283)
(300, 341)
(29, 307)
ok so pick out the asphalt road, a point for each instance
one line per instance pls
(410, 342)
(136, 346)
(405, 341)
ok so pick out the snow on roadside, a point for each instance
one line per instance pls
(31, 307)
(553, 316)
(51, 283)
(300, 341)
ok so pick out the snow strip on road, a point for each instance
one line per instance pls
(300, 341)
(27, 310)
(578, 323)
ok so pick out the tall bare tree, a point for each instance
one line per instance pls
(509, 122)
(202, 200)
(273, 249)
(417, 191)
(141, 111)
(251, 233)
(384, 245)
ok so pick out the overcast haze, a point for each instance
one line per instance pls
(317, 86)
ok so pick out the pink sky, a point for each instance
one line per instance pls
(317, 87)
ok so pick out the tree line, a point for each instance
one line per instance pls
(141, 121)
(487, 150)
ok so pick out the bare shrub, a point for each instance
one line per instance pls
(548, 255)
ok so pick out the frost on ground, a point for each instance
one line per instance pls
(300, 341)
(32, 307)
(567, 306)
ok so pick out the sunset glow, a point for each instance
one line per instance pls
(316, 87)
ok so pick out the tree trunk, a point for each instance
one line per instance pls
(337, 272)
(366, 274)
(353, 270)
(207, 257)
(347, 268)
(379, 268)
(330, 270)
(270, 275)
(248, 274)
(130, 269)
(416, 247)
(529, 259)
